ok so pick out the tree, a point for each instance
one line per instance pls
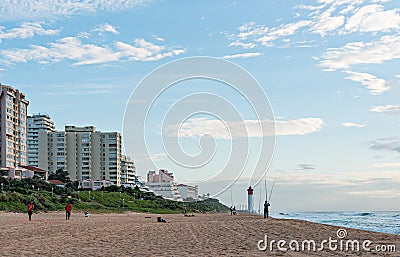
(60, 175)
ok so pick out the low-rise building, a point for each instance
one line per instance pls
(163, 184)
(23, 172)
(93, 184)
(188, 193)
(56, 182)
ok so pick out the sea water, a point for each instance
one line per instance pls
(386, 222)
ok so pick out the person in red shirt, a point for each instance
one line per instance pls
(30, 206)
(68, 208)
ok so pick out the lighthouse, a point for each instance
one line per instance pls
(250, 199)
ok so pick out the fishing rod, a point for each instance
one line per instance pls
(270, 193)
(259, 203)
(231, 198)
(265, 187)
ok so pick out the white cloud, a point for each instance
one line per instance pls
(247, 128)
(351, 124)
(289, 29)
(145, 51)
(72, 48)
(367, 18)
(376, 52)
(388, 165)
(282, 31)
(153, 157)
(27, 30)
(348, 178)
(243, 45)
(301, 126)
(305, 166)
(391, 144)
(41, 9)
(326, 24)
(250, 29)
(373, 18)
(374, 84)
(309, 7)
(389, 109)
(390, 193)
(244, 55)
(329, 16)
(250, 35)
(106, 28)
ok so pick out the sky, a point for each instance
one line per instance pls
(327, 71)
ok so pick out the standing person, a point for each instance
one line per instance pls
(234, 210)
(266, 209)
(231, 210)
(30, 207)
(68, 208)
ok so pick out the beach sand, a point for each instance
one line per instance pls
(135, 234)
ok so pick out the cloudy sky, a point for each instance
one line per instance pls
(328, 67)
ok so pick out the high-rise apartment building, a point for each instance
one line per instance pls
(111, 152)
(83, 152)
(38, 123)
(128, 171)
(13, 114)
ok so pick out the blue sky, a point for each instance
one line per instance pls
(328, 67)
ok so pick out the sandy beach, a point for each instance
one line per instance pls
(139, 234)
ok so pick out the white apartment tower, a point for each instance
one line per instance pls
(128, 171)
(38, 123)
(13, 114)
(111, 152)
(83, 152)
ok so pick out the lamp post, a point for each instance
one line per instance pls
(52, 192)
(89, 196)
(2, 187)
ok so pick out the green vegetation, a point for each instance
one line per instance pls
(15, 195)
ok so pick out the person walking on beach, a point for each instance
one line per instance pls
(30, 207)
(231, 210)
(266, 209)
(68, 208)
(234, 210)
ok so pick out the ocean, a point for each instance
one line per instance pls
(386, 222)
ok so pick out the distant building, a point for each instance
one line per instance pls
(86, 154)
(163, 184)
(23, 172)
(56, 182)
(188, 193)
(93, 184)
(13, 112)
(38, 123)
(128, 171)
